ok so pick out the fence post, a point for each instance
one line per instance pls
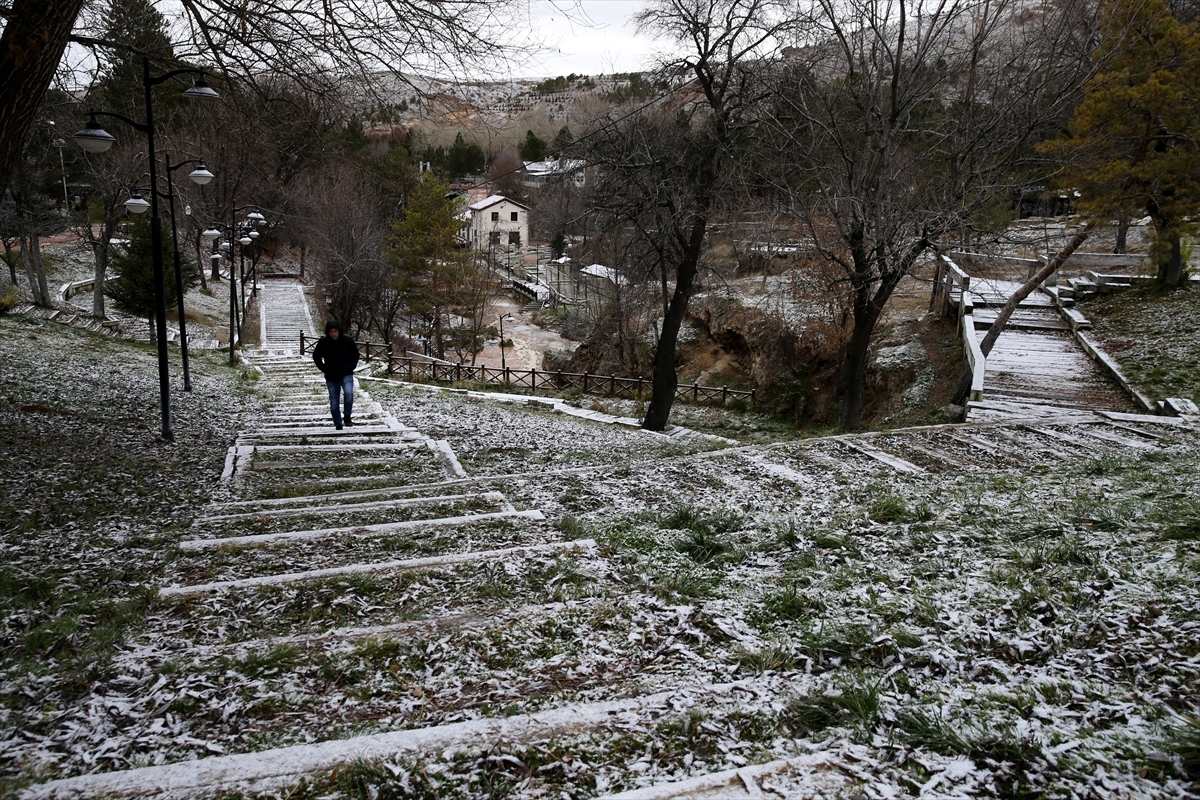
(533, 380)
(612, 385)
(695, 393)
(585, 377)
(506, 377)
(301, 342)
(639, 389)
(457, 373)
(724, 395)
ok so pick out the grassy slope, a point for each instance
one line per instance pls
(1039, 622)
(1155, 335)
(88, 500)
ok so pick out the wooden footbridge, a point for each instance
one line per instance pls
(1044, 363)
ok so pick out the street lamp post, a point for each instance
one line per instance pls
(503, 365)
(200, 176)
(95, 139)
(62, 165)
(212, 234)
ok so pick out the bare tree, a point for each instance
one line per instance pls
(904, 123)
(666, 170)
(325, 43)
(110, 176)
(348, 234)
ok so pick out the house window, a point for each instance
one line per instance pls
(514, 237)
(494, 237)
(514, 216)
(495, 216)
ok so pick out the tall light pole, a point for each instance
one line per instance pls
(200, 176)
(62, 165)
(503, 365)
(95, 139)
(211, 235)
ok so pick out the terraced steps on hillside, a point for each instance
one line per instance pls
(361, 598)
(1036, 366)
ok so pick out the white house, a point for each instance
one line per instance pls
(498, 221)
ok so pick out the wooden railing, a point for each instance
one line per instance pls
(952, 295)
(531, 380)
(949, 285)
(366, 350)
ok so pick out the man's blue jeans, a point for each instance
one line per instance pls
(346, 387)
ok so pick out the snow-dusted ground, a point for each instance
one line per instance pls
(948, 612)
(208, 311)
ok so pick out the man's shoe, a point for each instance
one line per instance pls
(339, 427)
(349, 424)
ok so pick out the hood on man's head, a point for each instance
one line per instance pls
(333, 323)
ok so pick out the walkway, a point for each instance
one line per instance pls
(1037, 366)
(284, 313)
(351, 594)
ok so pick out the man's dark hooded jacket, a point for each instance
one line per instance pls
(338, 357)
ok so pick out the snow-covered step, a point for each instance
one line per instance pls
(355, 531)
(376, 567)
(278, 768)
(819, 774)
(341, 508)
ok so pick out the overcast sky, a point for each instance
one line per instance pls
(609, 44)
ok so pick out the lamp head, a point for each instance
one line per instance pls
(256, 218)
(210, 235)
(136, 204)
(201, 90)
(245, 240)
(254, 234)
(93, 138)
(200, 175)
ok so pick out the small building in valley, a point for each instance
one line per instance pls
(498, 221)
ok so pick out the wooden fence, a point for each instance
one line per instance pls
(536, 381)
(952, 295)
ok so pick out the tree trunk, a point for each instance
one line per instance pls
(963, 389)
(31, 46)
(438, 348)
(27, 260)
(665, 381)
(1172, 272)
(662, 391)
(35, 250)
(1122, 233)
(11, 260)
(101, 251)
(199, 262)
(303, 253)
(854, 369)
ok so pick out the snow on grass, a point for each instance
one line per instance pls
(1155, 335)
(89, 500)
(1027, 626)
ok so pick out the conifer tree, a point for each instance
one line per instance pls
(431, 270)
(133, 288)
(533, 148)
(1133, 146)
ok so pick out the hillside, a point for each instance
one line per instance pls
(1017, 623)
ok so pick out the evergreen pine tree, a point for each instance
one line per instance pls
(1134, 144)
(430, 268)
(133, 287)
